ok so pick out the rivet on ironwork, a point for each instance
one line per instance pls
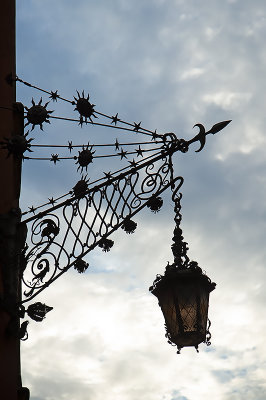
(183, 145)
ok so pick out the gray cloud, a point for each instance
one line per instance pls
(169, 65)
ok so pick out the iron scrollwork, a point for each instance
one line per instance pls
(62, 235)
(87, 219)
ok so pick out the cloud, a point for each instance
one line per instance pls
(169, 65)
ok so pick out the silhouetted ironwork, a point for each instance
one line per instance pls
(88, 218)
(37, 114)
(183, 293)
(17, 145)
(36, 311)
(65, 231)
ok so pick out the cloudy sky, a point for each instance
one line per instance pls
(169, 64)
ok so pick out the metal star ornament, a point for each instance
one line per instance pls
(54, 158)
(139, 151)
(84, 107)
(37, 114)
(137, 127)
(122, 154)
(85, 157)
(54, 95)
(115, 119)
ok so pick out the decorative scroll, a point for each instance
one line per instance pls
(61, 238)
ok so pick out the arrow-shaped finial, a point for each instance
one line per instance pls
(201, 136)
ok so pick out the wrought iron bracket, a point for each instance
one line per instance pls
(96, 212)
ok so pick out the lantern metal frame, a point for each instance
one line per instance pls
(183, 293)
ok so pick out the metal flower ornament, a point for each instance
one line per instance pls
(85, 157)
(84, 107)
(17, 145)
(37, 114)
(64, 229)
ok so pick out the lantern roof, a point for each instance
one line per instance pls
(173, 273)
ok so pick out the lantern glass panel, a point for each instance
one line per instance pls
(185, 308)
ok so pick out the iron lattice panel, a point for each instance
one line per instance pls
(60, 238)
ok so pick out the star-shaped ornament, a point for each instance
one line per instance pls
(54, 158)
(52, 201)
(54, 95)
(108, 175)
(137, 127)
(133, 163)
(115, 119)
(81, 121)
(122, 154)
(117, 145)
(32, 209)
(139, 152)
(70, 146)
(155, 135)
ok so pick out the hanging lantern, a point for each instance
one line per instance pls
(183, 295)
